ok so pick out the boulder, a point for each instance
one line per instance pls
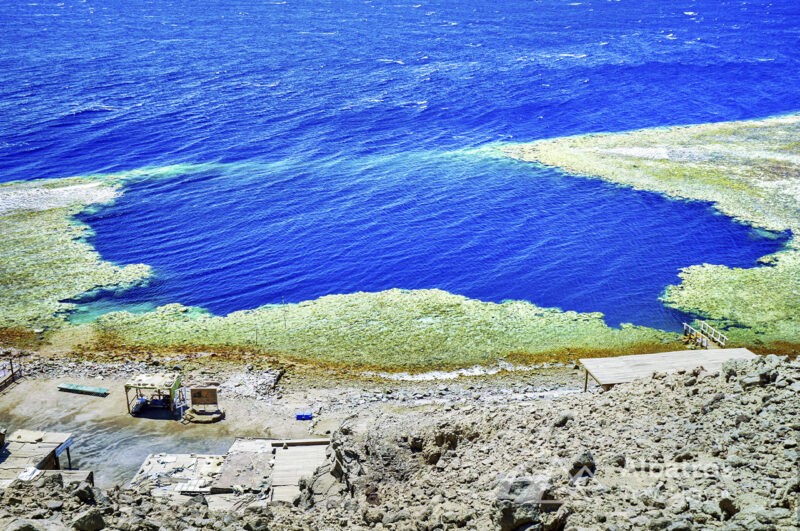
(84, 493)
(563, 419)
(510, 515)
(89, 520)
(582, 466)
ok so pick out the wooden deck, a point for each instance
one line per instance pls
(293, 462)
(621, 369)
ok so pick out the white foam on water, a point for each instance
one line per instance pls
(476, 370)
(27, 197)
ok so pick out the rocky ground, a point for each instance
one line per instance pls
(325, 392)
(691, 450)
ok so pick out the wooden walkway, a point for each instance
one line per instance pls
(620, 369)
(705, 336)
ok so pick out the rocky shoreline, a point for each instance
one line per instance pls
(692, 450)
(545, 380)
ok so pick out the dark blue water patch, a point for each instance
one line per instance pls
(88, 88)
(237, 238)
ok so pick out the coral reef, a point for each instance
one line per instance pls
(750, 170)
(45, 257)
(389, 329)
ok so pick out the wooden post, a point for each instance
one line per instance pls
(127, 401)
(586, 381)
(69, 459)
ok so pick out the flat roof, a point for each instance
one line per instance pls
(164, 380)
(39, 437)
(621, 369)
(291, 463)
(27, 450)
(250, 464)
(29, 442)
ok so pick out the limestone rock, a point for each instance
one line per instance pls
(89, 520)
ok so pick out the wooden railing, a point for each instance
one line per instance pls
(9, 372)
(705, 335)
(712, 333)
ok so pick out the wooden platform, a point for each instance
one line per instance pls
(293, 462)
(620, 369)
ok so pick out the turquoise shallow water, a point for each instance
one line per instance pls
(352, 142)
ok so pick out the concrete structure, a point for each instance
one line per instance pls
(608, 372)
(27, 455)
(248, 466)
(271, 468)
(179, 473)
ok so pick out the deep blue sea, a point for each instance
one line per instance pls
(350, 145)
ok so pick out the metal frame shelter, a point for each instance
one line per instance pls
(153, 390)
